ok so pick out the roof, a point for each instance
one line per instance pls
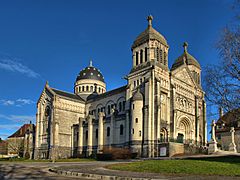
(90, 72)
(230, 119)
(23, 130)
(149, 34)
(66, 94)
(107, 94)
(185, 58)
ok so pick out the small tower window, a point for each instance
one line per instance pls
(140, 133)
(136, 58)
(91, 88)
(87, 88)
(134, 83)
(146, 54)
(161, 56)
(99, 89)
(79, 88)
(133, 106)
(136, 120)
(96, 133)
(83, 88)
(157, 54)
(165, 58)
(108, 131)
(141, 56)
(133, 131)
(121, 129)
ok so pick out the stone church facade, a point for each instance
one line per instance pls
(155, 114)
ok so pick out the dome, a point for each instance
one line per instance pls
(90, 72)
(137, 96)
(185, 58)
(149, 33)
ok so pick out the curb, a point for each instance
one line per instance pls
(95, 176)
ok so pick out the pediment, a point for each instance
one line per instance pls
(183, 74)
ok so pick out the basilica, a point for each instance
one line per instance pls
(159, 112)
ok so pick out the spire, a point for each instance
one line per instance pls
(149, 18)
(185, 45)
(90, 63)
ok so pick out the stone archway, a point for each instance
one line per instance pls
(163, 135)
(184, 130)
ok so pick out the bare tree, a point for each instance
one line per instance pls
(222, 81)
(16, 146)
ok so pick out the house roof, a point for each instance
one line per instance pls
(23, 130)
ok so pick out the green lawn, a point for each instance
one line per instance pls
(228, 166)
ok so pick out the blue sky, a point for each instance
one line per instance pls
(54, 40)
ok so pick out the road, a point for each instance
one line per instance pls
(35, 170)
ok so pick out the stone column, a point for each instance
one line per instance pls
(204, 123)
(80, 136)
(100, 132)
(112, 127)
(127, 127)
(197, 120)
(72, 140)
(232, 145)
(90, 135)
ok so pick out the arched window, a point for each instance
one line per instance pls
(83, 88)
(141, 56)
(136, 58)
(79, 88)
(120, 106)
(99, 89)
(157, 54)
(146, 54)
(165, 58)
(87, 88)
(96, 133)
(91, 88)
(108, 131)
(124, 103)
(109, 109)
(121, 129)
(161, 56)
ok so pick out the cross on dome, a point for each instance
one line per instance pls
(185, 45)
(150, 18)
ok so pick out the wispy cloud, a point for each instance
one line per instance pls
(19, 102)
(18, 118)
(25, 101)
(7, 102)
(13, 65)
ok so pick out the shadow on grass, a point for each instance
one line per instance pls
(233, 159)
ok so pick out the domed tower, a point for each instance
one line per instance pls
(150, 46)
(191, 62)
(137, 119)
(89, 81)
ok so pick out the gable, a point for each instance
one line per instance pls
(183, 74)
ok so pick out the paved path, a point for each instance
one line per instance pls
(40, 170)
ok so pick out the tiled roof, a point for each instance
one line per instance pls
(108, 93)
(68, 95)
(23, 130)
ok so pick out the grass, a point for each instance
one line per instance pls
(226, 166)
